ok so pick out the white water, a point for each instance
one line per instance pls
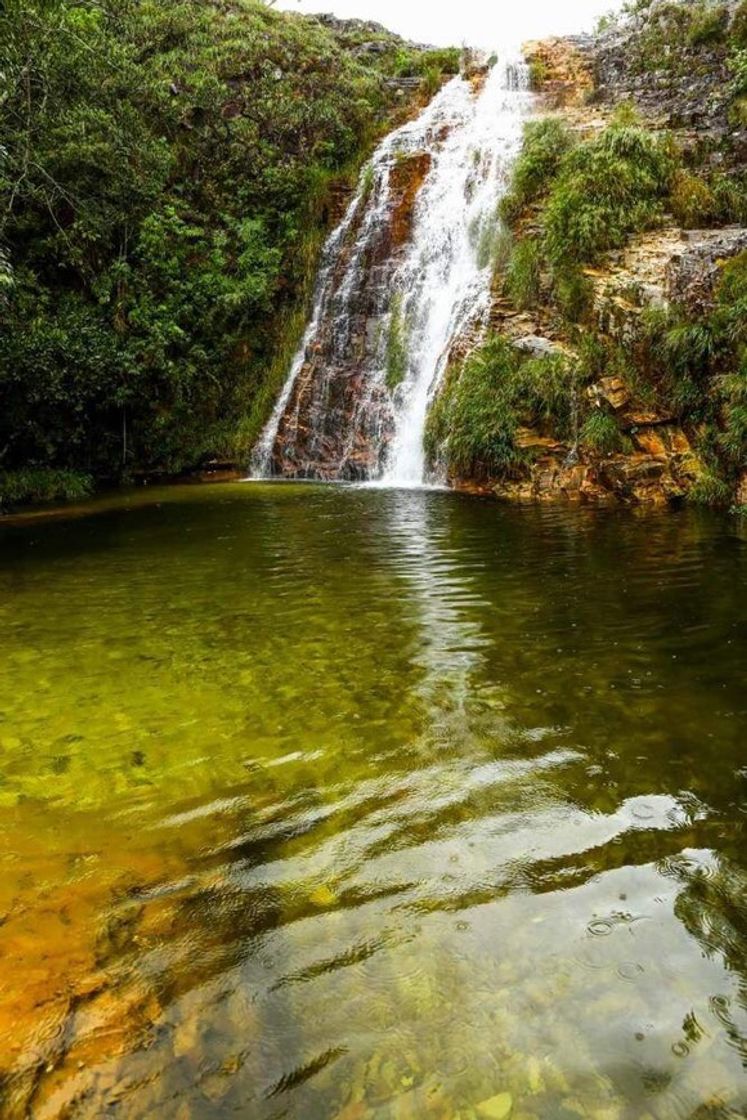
(441, 280)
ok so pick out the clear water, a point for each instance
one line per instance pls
(332, 803)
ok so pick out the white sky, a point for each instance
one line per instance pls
(502, 23)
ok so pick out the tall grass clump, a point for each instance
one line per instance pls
(474, 423)
(545, 144)
(524, 274)
(600, 433)
(607, 188)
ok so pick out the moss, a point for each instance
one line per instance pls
(396, 345)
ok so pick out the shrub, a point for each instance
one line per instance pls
(730, 192)
(493, 243)
(418, 64)
(607, 188)
(733, 438)
(545, 144)
(166, 171)
(42, 485)
(692, 201)
(729, 319)
(475, 420)
(573, 292)
(708, 25)
(537, 74)
(432, 80)
(738, 68)
(524, 274)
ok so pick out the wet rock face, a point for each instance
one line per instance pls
(692, 275)
(339, 420)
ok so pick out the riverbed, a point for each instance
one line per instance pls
(322, 802)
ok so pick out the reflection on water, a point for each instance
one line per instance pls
(321, 803)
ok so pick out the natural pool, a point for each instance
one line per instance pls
(329, 803)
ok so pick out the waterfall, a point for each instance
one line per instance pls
(405, 278)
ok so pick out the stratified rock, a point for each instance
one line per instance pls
(692, 274)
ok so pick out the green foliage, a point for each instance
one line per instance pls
(738, 29)
(738, 68)
(710, 490)
(165, 172)
(494, 244)
(606, 189)
(537, 74)
(573, 292)
(524, 274)
(675, 31)
(733, 437)
(42, 485)
(545, 144)
(730, 192)
(729, 319)
(418, 64)
(474, 422)
(600, 433)
(693, 202)
(708, 25)
(396, 345)
(606, 22)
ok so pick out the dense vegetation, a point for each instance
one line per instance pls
(166, 171)
(570, 202)
(476, 421)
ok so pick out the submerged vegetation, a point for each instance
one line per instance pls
(166, 172)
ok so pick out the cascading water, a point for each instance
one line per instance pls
(404, 278)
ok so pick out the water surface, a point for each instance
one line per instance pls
(328, 803)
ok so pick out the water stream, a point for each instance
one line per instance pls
(405, 277)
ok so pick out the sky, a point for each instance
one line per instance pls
(496, 24)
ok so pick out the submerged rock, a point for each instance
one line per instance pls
(499, 1107)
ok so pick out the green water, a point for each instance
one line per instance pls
(329, 803)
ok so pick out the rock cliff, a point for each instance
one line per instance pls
(674, 77)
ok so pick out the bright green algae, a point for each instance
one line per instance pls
(320, 802)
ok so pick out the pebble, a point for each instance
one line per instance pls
(497, 1108)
